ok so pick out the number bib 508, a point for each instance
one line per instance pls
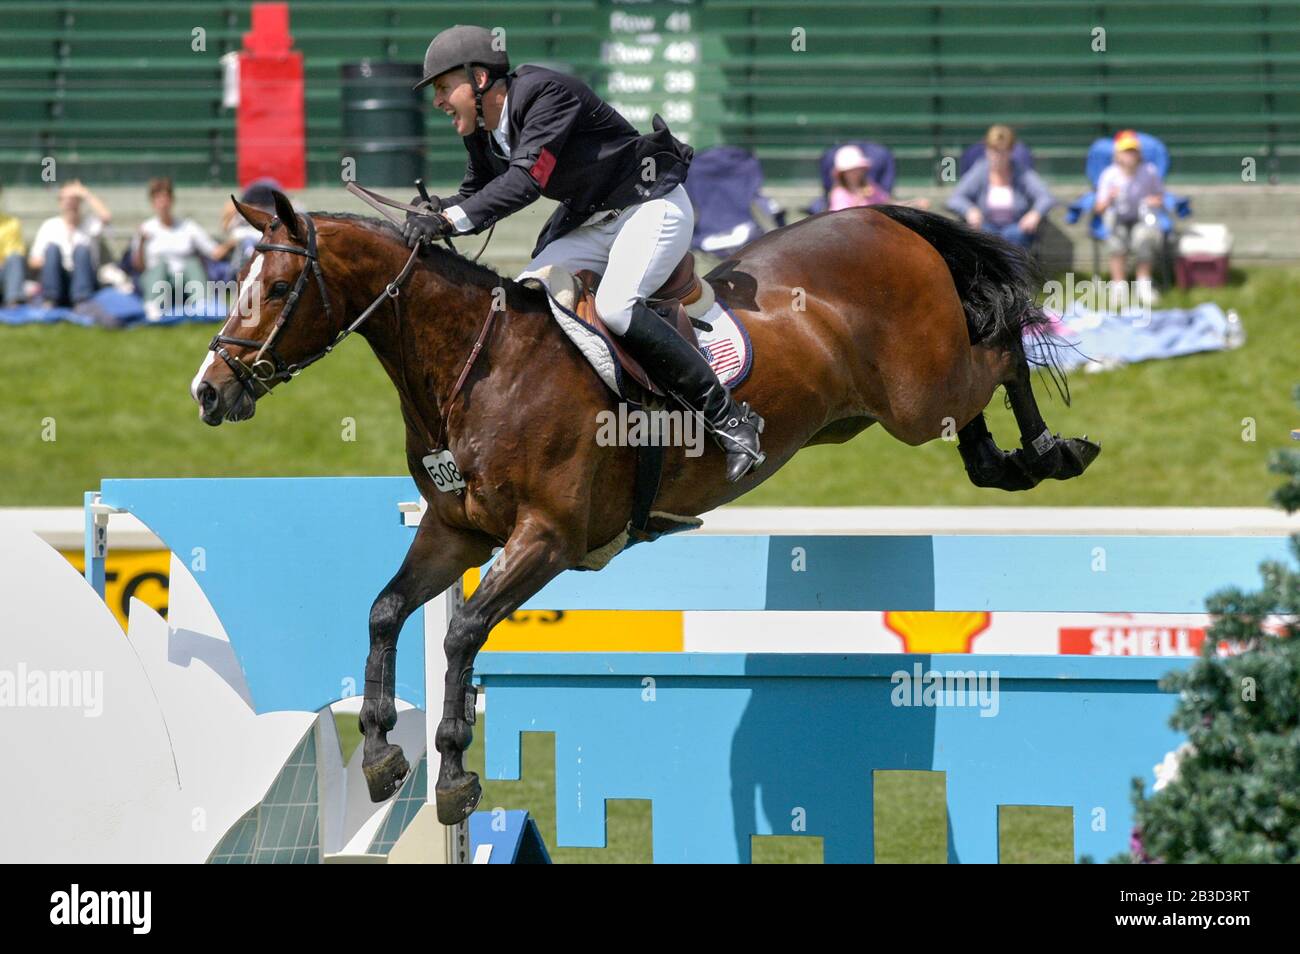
(442, 468)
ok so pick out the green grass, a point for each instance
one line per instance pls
(120, 407)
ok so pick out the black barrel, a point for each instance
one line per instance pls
(383, 121)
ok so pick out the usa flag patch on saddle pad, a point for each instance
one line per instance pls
(725, 344)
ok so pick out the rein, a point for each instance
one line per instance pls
(377, 202)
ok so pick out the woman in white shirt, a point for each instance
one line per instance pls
(166, 253)
(66, 248)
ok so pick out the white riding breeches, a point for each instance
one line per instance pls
(635, 252)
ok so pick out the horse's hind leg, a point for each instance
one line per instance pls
(533, 555)
(988, 465)
(1045, 454)
(1041, 455)
(436, 559)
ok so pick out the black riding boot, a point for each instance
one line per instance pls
(679, 368)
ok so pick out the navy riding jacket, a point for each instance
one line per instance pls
(567, 144)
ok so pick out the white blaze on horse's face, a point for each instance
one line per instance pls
(245, 297)
(203, 369)
(247, 286)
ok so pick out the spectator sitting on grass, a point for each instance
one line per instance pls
(12, 254)
(66, 249)
(998, 196)
(1129, 193)
(166, 254)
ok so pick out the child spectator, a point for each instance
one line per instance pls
(66, 249)
(1129, 192)
(998, 196)
(853, 187)
(166, 254)
(851, 182)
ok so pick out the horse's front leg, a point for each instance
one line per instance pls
(437, 558)
(535, 553)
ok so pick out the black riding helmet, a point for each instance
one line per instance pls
(467, 47)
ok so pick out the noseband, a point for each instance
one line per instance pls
(267, 367)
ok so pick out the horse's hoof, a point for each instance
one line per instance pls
(456, 801)
(1076, 454)
(385, 774)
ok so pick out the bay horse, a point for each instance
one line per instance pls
(884, 315)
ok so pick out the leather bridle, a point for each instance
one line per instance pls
(267, 367)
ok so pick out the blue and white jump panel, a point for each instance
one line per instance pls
(291, 567)
(728, 746)
(1020, 573)
(731, 746)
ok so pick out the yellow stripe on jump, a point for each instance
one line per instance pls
(142, 574)
(584, 630)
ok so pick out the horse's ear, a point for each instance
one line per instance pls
(285, 212)
(252, 215)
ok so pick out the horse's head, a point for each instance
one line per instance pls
(281, 322)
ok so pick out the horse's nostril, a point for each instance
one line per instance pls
(208, 397)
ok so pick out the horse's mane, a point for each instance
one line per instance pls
(453, 266)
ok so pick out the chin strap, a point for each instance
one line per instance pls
(478, 95)
(479, 120)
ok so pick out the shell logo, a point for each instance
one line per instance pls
(936, 632)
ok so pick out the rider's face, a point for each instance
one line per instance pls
(453, 95)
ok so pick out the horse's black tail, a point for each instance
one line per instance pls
(997, 283)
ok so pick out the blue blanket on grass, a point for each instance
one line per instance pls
(1099, 341)
(108, 308)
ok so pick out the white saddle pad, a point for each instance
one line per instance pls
(723, 339)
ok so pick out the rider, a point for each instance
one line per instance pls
(623, 210)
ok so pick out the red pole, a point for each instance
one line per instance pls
(270, 126)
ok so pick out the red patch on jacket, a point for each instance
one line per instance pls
(543, 167)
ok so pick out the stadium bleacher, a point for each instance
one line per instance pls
(113, 87)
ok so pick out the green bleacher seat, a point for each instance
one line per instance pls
(94, 79)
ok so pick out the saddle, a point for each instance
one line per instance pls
(679, 299)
